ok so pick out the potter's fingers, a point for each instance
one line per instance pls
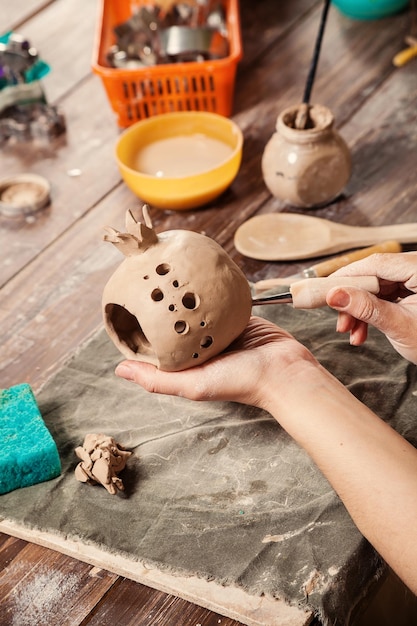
(365, 307)
(347, 324)
(398, 321)
(358, 333)
(356, 303)
(398, 268)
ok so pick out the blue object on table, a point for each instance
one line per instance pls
(29, 454)
(370, 9)
(19, 61)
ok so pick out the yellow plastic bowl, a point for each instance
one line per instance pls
(185, 191)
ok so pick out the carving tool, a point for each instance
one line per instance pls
(325, 268)
(311, 293)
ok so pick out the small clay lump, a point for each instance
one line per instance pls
(102, 459)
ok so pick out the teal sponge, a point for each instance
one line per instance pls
(28, 452)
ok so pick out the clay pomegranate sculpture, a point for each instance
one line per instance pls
(176, 300)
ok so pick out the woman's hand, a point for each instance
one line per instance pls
(393, 311)
(371, 467)
(263, 356)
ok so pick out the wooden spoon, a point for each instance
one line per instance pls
(291, 236)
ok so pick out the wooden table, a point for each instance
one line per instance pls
(53, 265)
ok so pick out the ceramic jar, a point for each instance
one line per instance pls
(306, 167)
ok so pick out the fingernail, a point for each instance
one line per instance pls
(340, 299)
(124, 371)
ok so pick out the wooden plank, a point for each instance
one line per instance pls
(63, 34)
(9, 549)
(65, 31)
(42, 334)
(263, 24)
(230, 601)
(14, 14)
(42, 586)
(131, 604)
(356, 57)
(383, 187)
(88, 147)
(124, 603)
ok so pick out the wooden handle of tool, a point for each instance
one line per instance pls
(270, 283)
(403, 57)
(331, 265)
(311, 293)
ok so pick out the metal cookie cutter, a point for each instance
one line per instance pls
(183, 43)
(23, 194)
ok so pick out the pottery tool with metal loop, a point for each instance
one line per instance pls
(311, 293)
(324, 268)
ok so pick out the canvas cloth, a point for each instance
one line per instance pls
(208, 482)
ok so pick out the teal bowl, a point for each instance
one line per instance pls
(370, 9)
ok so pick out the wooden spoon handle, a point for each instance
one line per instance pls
(356, 236)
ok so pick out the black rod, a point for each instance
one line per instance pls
(314, 62)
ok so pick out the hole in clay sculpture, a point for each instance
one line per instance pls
(175, 283)
(127, 329)
(190, 301)
(157, 295)
(202, 323)
(195, 355)
(206, 342)
(181, 327)
(162, 269)
(171, 307)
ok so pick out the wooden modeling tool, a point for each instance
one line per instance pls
(403, 57)
(325, 268)
(409, 53)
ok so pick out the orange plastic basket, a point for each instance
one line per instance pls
(136, 94)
